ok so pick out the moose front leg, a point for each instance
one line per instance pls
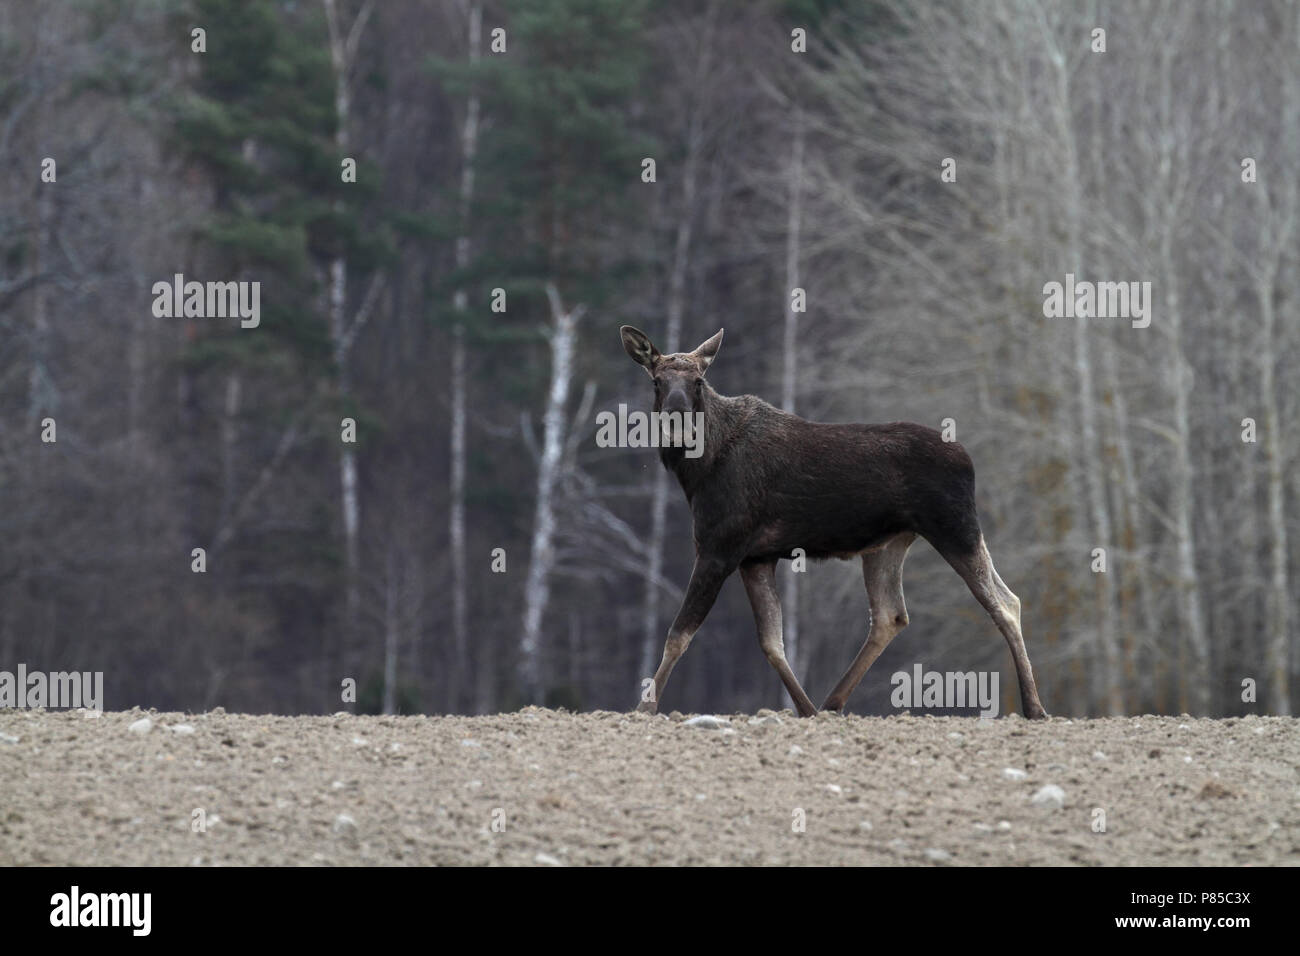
(760, 583)
(706, 581)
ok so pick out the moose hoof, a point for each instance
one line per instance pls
(1035, 713)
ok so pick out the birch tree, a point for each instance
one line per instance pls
(343, 52)
(562, 338)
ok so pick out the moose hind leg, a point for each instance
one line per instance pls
(976, 569)
(882, 573)
(760, 584)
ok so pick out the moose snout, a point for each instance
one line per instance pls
(677, 401)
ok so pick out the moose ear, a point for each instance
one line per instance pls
(704, 354)
(638, 345)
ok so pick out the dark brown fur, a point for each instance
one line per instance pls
(768, 483)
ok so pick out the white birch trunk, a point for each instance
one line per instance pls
(563, 340)
(342, 52)
(1194, 690)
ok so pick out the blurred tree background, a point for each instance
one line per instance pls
(460, 300)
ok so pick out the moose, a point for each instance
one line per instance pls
(767, 482)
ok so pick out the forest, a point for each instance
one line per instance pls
(1065, 233)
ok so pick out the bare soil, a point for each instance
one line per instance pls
(541, 787)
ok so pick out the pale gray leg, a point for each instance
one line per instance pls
(882, 572)
(1004, 607)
